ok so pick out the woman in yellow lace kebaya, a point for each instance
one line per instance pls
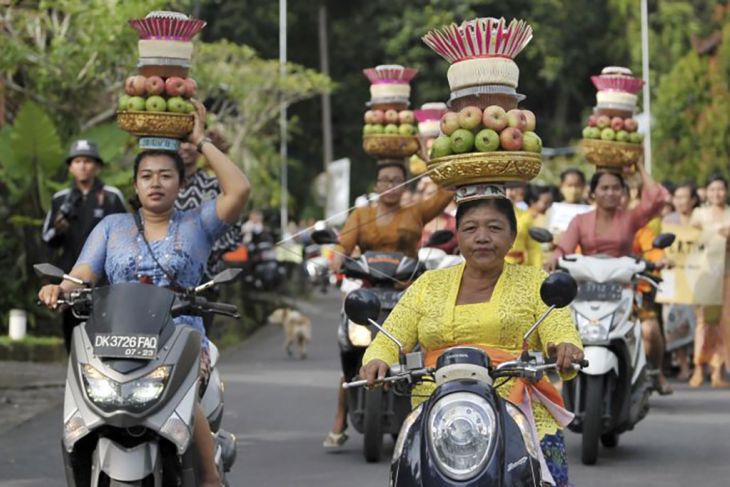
(483, 302)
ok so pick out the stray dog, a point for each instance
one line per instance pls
(297, 330)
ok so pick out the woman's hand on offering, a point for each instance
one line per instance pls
(198, 132)
(49, 295)
(565, 355)
(374, 370)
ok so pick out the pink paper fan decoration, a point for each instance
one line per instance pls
(482, 37)
(617, 82)
(390, 73)
(429, 114)
(171, 26)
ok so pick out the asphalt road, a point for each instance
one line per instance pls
(281, 408)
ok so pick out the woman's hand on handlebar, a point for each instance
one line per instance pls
(374, 370)
(336, 262)
(565, 355)
(50, 294)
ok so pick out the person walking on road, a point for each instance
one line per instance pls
(76, 210)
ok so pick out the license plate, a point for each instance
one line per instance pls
(599, 291)
(125, 346)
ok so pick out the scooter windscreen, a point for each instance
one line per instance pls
(130, 320)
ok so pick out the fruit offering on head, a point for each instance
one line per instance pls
(175, 86)
(486, 140)
(441, 147)
(469, 117)
(495, 118)
(516, 119)
(156, 104)
(135, 85)
(531, 142)
(511, 139)
(449, 123)
(462, 140)
(391, 117)
(406, 117)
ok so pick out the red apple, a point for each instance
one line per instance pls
(449, 123)
(592, 121)
(511, 139)
(617, 123)
(175, 86)
(154, 86)
(495, 118)
(603, 121)
(135, 85)
(531, 120)
(470, 117)
(516, 119)
(631, 125)
(191, 86)
(369, 117)
(391, 116)
(406, 116)
(378, 117)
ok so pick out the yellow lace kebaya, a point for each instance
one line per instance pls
(428, 315)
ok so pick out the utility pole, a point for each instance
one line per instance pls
(324, 66)
(645, 76)
(284, 211)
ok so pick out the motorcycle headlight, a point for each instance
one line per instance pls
(461, 430)
(592, 331)
(135, 395)
(530, 441)
(359, 335)
(407, 425)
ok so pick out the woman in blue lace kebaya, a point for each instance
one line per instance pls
(180, 241)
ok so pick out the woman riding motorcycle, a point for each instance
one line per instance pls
(165, 247)
(488, 303)
(385, 227)
(610, 230)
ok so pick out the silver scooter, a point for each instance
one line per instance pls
(133, 384)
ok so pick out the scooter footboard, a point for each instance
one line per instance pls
(601, 360)
(125, 464)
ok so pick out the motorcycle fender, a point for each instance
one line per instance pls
(125, 464)
(600, 361)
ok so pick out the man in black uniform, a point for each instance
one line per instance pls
(75, 211)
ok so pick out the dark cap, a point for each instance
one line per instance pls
(84, 148)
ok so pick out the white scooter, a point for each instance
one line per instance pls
(611, 395)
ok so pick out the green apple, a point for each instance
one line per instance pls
(176, 104)
(531, 142)
(622, 136)
(608, 134)
(587, 132)
(123, 102)
(462, 140)
(189, 107)
(391, 129)
(636, 137)
(595, 133)
(136, 104)
(486, 140)
(377, 129)
(441, 147)
(156, 104)
(406, 129)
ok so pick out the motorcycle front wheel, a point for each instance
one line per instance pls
(592, 418)
(373, 425)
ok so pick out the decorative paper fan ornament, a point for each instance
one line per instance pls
(390, 73)
(617, 79)
(164, 25)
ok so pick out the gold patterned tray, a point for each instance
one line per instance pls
(387, 145)
(484, 167)
(156, 124)
(607, 153)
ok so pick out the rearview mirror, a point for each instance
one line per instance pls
(228, 275)
(558, 290)
(48, 270)
(324, 237)
(361, 306)
(663, 240)
(541, 235)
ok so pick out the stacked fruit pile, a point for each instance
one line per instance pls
(390, 129)
(611, 140)
(474, 130)
(156, 102)
(485, 138)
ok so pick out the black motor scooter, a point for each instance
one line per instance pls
(465, 434)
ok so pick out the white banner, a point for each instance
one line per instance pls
(338, 195)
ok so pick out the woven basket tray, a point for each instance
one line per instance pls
(159, 124)
(485, 167)
(394, 146)
(607, 153)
